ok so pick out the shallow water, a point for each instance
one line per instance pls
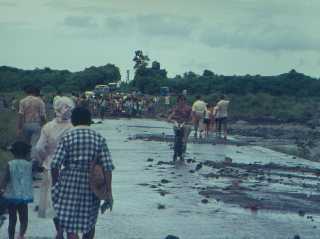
(136, 214)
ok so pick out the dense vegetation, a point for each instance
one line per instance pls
(291, 96)
(13, 79)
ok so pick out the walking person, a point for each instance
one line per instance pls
(75, 203)
(32, 115)
(44, 151)
(199, 108)
(222, 117)
(16, 188)
(181, 116)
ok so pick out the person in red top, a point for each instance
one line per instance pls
(181, 116)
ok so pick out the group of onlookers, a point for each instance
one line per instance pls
(201, 116)
(206, 117)
(118, 104)
(65, 151)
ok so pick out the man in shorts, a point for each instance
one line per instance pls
(199, 109)
(180, 115)
(32, 115)
(222, 116)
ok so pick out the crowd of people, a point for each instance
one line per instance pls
(70, 156)
(74, 160)
(118, 104)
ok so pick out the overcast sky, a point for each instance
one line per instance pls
(229, 37)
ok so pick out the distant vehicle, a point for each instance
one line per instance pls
(164, 91)
(101, 89)
(89, 94)
(113, 86)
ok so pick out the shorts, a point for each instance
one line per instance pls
(221, 122)
(31, 132)
(207, 121)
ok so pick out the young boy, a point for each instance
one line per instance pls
(16, 188)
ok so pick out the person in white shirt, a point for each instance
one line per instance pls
(199, 108)
(222, 116)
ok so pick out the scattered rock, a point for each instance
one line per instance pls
(192, 171)
(301, 213)
(296, 237)
(227, 160)
(189, 160)
(198, 167)
(150, 160)
(172, 237)
(204, 201)
(161, 206)
(163, 162)
(153, 186)
(143, 184)
(164, 181)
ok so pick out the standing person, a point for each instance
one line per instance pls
(16, 188)
(222, 116)
(32, 115)
(103, 104)
(181, 115)
(207, 121)
(44, 151)
(74, 202)
(199, 108)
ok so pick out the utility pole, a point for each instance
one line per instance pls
(128, 76)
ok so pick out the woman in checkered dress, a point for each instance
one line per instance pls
(75, 204)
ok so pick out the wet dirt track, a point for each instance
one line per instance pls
(153, 200)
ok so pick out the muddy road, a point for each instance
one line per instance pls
(222, 191)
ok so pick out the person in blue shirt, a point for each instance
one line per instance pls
(16, 188)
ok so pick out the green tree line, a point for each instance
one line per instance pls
(14, 79)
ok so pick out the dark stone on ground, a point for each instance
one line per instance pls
(164, 162)
(172, 237)
(227, 160)
(164, 181)
(192, 171)
(199, 166)
(143, 184)
(150, 160)
(204, 201)
(161, 206)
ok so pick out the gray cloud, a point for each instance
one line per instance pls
(166, 25)
(154, 25)
(80, 22)
(267, 38)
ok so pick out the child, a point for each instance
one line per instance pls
(16, 188)
(207, 119)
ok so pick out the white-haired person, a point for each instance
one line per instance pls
(44, 151)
